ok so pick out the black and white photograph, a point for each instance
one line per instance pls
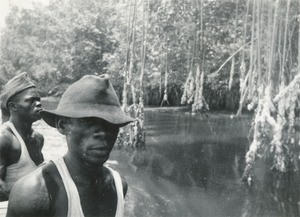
(150, 108)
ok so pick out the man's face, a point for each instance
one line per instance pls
(28, 104)
(91, 139)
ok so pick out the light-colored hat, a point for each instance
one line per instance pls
(91, 96)
(14, 86)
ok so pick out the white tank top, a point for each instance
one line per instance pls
(74, 205)
(23, 166)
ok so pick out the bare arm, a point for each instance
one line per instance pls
(29, 197)
(5, 150)
(4, 191)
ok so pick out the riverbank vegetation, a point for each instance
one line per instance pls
(59, 43)
(208, 54)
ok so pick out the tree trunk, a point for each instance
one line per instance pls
(126, 78)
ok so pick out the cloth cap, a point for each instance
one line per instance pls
(91, 96)
(14, 86)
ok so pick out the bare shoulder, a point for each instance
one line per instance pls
(29, 196)
(6, 138)
(5, 132)
(109, 179)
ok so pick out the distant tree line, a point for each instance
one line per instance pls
(58, 43)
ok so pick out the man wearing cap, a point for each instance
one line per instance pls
(20, 146)
(78, 184)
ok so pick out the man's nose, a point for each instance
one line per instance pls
(38, 104)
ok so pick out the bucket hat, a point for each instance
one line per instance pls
(14, 86)
(91, 96)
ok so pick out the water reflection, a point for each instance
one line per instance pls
(195, 162)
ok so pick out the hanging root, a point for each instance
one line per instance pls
(263, 125)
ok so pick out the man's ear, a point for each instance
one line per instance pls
(62, 125)
(11, 106)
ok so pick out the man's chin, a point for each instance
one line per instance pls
(96, 163)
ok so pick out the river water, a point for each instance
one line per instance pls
(192, 165)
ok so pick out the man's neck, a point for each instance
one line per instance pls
(82, 173)
(24, 128)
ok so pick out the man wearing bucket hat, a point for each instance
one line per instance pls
(20, 146)
(78, 184)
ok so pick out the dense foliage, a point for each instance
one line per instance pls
(56, 44)
(59, 43)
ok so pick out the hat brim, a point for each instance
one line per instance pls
(112, 114)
